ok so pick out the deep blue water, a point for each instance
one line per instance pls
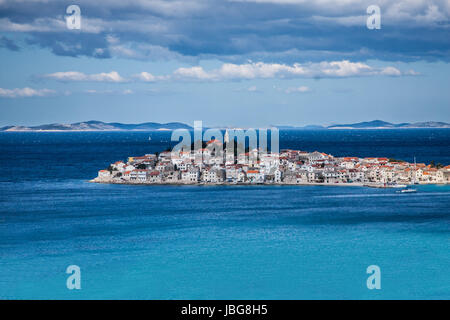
(192, 242)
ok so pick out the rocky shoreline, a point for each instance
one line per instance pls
(350, 184)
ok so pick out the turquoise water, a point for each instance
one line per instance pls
(215, 242)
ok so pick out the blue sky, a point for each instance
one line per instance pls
(236, 63)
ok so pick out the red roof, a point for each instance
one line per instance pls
(213, 141)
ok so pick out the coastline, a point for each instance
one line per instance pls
(168, 129)
(224, 183)
(353, 184)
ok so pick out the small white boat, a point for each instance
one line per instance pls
(408, 190)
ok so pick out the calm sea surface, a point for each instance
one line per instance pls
(217, 242)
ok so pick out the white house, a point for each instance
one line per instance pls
(139, 175)
(212, 175)
(104, 174)
(255, 176)
(190, 176)
(154, 177)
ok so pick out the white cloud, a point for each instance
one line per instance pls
(88, 25)
(145, 76)
(301, 89)
(116, 92)
(260, 70)
(112, 76)
(352, 12)
(391, 71)
(25, 92)
(196, 73)
(246, 71)
(38, 25)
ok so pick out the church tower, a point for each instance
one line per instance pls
(227, 137)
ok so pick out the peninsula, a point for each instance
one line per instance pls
(291, 167)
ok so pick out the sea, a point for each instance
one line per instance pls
(217, 242)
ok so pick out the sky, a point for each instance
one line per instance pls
(249, 63)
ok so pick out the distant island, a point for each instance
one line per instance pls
(154, 126)
(378, 124)
(100, 126)
(375, 124)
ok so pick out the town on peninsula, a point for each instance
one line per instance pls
(209, 165)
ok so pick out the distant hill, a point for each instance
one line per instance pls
(154, 126)
(375, 124)
(100, 126)
(379, 124)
